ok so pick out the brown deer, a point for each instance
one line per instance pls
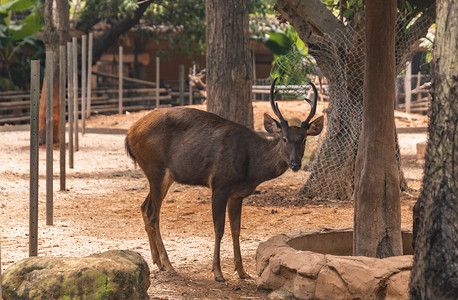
(196, 80)
(195, 147)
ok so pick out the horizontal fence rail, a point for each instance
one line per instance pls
(15, 106)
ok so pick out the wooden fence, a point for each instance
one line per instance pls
(141, 95)
(15, 106)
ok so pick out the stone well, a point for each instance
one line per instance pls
(319, 265)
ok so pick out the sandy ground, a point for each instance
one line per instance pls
(100, 209)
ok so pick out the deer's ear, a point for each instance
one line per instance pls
(271, 125)
(316, 126)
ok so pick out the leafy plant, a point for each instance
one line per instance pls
(18, 44)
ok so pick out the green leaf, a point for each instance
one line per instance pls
(348, 12)
(280, 38)
(17, 5)
(409, 7)
(30, 25)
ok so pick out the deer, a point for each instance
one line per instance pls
(195, 147)
(196, 80)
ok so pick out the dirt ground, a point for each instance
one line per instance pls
(100, 210)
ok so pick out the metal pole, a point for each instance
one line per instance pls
(34, 104)
(49, 136)
(71, 126)
(181, 83)
(157, 82)
(120, 81)
(62, 78)
(89, 75)
(83, 82)
(75, 90)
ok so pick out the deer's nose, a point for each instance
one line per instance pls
(295, 165)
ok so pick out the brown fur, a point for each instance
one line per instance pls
(195, 147)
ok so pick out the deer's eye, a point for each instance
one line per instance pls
(285, 140)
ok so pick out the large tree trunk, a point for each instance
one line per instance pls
(377, 222)
(229, 69)
(435, 268)
(56, 32)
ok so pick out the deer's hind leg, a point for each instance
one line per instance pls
(159, 181)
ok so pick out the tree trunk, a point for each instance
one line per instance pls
(229, 69)
(435, 268)
(377, 220)
(56, 32)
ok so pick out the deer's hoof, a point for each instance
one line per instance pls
(220, 279)
(244, 276)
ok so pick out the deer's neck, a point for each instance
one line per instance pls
(269, 161)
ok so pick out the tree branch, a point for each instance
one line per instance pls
(318, 17)
(87, 21)
(110, 36)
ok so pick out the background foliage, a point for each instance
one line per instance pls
(18, 41)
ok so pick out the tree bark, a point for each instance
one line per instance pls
(229, 69)
(377, 221)
(435, 267)
(56, 32)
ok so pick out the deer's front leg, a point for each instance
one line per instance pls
(219, 201)
(235, 213)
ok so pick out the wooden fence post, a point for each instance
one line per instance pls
(190, 86)
(89, 74)
(408, 86)
(1, 292)
(181, 83)
(62, 71)
(157, 82)
(120, 80)
(418, 85)
(71, 126)
(34, 104)
(49, 137)
(83, 82)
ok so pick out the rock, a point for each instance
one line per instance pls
(284, 263)
(116, 274)
(280, 295)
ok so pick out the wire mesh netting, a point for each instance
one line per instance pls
(340, 57)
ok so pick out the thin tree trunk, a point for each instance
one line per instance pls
(377, 219)
(435, 268)
(229, 69)
(56, 32)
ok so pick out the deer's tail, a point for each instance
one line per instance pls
(129, 150)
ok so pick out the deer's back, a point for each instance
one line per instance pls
(197, 147)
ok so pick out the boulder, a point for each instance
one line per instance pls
(289, 263)
(116, 274)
